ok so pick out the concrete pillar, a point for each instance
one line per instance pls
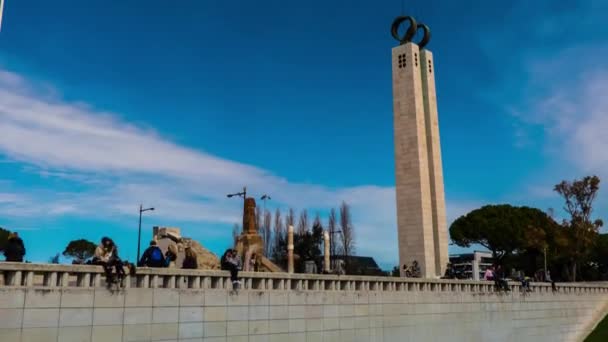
(290, 249)
(326, 267)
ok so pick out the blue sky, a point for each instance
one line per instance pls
(106, 104)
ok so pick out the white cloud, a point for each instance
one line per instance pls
(120, 165)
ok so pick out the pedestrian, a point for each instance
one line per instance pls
(489, 275)
(14, 250)
(152, 257)
(499, 280)
(190, 261)
(106, 255)
(231, 262)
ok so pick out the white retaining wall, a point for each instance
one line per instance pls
(440, 311)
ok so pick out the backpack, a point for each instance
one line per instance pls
(156, 256)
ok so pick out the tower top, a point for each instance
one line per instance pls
(411, 31)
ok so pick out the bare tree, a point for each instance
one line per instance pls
(331, 227)
(258, 219)
(279, 233)
(347, 235)
(290, 219)
(267, 233)
(302, 223)
(236, 231)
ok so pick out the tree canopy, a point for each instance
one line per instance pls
(80, 250)
(502, 229)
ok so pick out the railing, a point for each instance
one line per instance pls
(87, 276)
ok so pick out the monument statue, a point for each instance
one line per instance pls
(170, 238)
(249, 222)
(421, 218)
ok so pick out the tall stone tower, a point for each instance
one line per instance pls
(421, 221)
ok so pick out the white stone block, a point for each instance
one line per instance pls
(258, 327)
(109, 299)
(39, 334)
(314, 311)
(258, 313)
(41, 318)
(279, 312)
(75, 334)
(137, 332)
(277, 326)
(75, 317)
(297, 311)
(191, 314)
(139, 297)
(42, 298)
(107, 333)
(214, 313)
(190, 330)
(165, 315)
(297, 298)
(237, 328)
(314, 324)
(279, 298)
(11, 318)
(138, 316)
(164, 331)
(238, 313)
(12, 298)
(297, 325)
(191, 298)
(165, 297)
(108, 316)
(12, 334)
(279, 337)
(259, 298)
(216, 298)
(214, 329)
(77, 298)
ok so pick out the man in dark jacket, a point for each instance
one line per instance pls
(14, 250)
(152, 257)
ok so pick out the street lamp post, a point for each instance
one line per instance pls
(264, 198)
(141, 210)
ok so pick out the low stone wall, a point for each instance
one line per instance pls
(68, 303)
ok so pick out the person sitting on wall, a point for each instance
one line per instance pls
(14, 250)
(152, 257)
(489, 274)
(190, 261)
(231, 262)
(499, 279)
(170, 256)
(106, 255)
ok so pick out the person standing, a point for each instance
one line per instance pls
(14, 250)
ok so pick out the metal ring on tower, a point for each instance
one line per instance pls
(411, 31)
(409, 34)
(427, 35)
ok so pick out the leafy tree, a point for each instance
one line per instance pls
(580, 230)
(307, 246)
(502, 229)
(236, 231)
(266, 233)
(280, 239)
(80, 250)
(302, 223)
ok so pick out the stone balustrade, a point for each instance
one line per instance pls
(89, 276)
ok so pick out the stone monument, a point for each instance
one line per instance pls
(422, 231)
(250, 242)
(171, 238)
